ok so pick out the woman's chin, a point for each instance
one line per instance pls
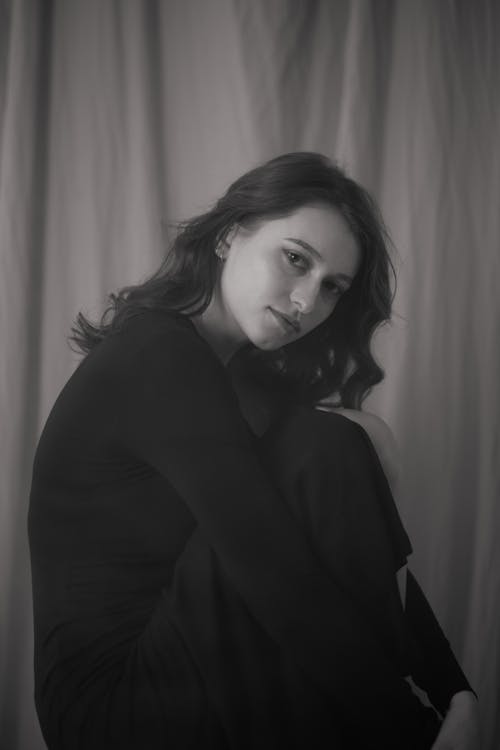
(270, 336)
(267, 342)
(270, 346)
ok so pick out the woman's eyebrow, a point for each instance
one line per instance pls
(306, 246)
(313, 251)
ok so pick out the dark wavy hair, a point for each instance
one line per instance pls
(332, 361)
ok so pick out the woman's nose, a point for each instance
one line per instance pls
(303, 298)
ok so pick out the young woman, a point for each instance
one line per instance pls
(214, 558)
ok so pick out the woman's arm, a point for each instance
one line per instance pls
(438, 672)
(435, 668)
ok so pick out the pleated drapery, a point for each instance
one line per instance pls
(118, 119)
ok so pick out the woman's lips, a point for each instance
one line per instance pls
(288, 324)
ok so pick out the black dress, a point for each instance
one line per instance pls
(193, 589)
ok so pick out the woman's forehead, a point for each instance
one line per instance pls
(320, 230)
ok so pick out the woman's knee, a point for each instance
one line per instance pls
(306, 434)
(314, 458)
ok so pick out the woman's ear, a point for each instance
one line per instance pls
(221, 250)
(230, 235)
(224, 244)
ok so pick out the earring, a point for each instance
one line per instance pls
(219, 250)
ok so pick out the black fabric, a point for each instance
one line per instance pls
(178, 600)
(433, 666)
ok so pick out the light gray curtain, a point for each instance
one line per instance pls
(120, 117)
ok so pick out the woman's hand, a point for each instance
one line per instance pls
(460, 728)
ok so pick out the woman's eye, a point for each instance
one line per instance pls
(332, 288)
(296, 259)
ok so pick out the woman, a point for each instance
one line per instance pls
(214, 561)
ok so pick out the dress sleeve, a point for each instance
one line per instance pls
(181, 417)
(434, 668)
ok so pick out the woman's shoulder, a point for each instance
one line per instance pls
(155, 322)
(161, 331)
(151, 341)
(167, 346)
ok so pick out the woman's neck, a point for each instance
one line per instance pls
(214, 326)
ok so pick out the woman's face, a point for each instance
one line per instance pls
(284, 278)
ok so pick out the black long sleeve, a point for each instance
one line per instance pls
(432, 662)
(434, 667)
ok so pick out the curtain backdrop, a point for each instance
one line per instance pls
(119, 118)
